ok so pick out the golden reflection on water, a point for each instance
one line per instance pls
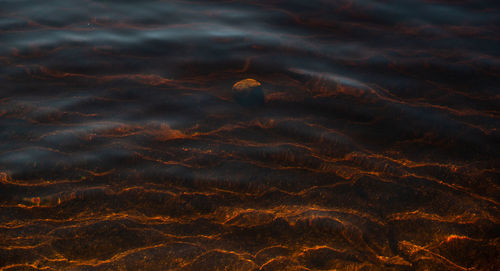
(249, 135)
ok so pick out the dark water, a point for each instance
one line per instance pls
(377, 147)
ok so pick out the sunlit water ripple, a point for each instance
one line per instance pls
(122, 147)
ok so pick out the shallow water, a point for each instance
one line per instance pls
(122, 148)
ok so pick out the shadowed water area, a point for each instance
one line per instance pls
(374, 144)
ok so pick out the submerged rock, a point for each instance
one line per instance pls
(248, 92)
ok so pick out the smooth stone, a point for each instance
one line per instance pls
(248, 92)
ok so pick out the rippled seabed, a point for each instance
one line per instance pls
(121, 147)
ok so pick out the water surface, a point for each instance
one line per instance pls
(122, 148)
